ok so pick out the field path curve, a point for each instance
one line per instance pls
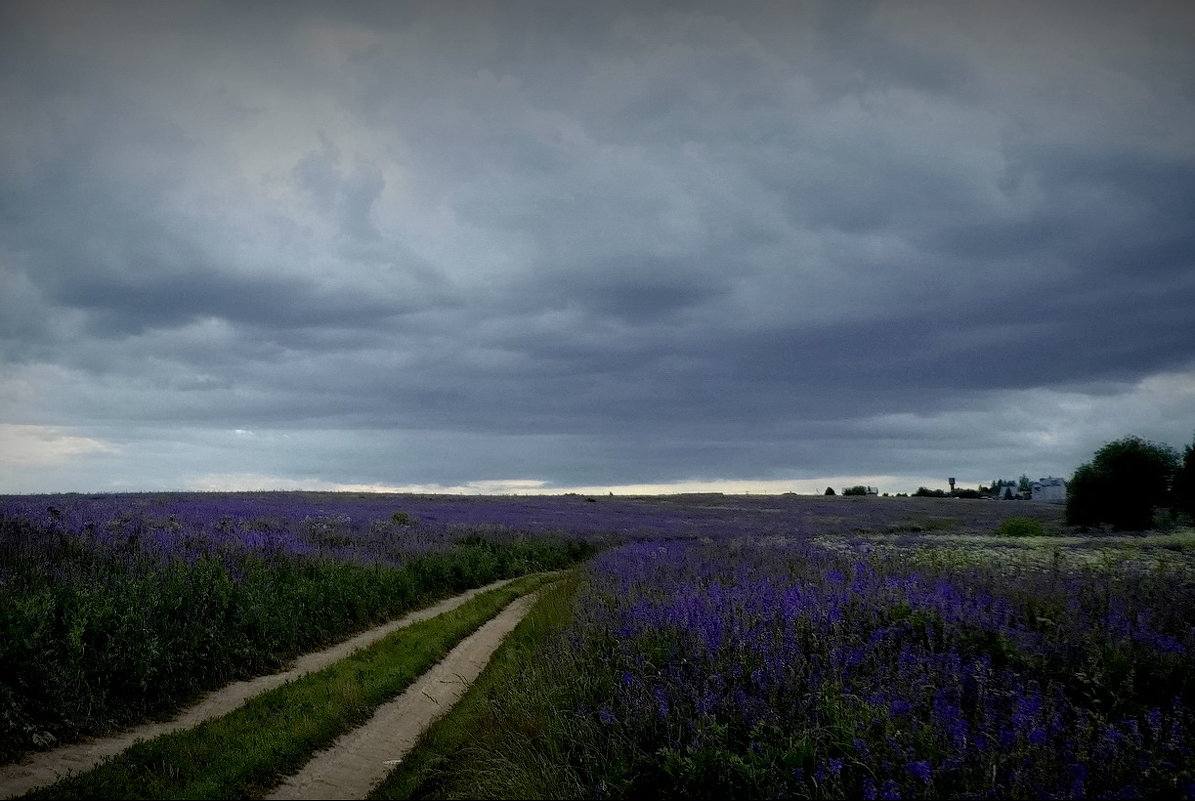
(46, 767)
(360, 759)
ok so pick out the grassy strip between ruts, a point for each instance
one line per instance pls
(246, 752)
(452, 759)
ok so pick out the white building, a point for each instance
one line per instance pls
(1050, 489)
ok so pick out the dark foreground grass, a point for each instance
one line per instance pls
(248, 751)
(454, 758)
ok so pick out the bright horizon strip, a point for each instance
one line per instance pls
(802, 486)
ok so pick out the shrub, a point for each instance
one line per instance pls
(1020, 527)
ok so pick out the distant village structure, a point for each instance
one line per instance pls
(1006, 490)
(1049, 489)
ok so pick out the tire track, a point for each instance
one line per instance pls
(359, 760)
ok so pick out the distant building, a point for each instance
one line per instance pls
(1050, 489)
(1006, 491)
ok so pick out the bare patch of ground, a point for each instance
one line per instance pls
(46, 767)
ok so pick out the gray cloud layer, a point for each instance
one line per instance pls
(593, 243)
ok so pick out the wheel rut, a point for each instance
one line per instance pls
(359, 760)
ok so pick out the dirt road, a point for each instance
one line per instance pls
(356, 762)
(46, 767)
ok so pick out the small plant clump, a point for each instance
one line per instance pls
(1020, 527)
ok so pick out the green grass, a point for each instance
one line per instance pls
(456, 758)
(918, 524)
(1020, 527)
(1178, 540)
(246, 752)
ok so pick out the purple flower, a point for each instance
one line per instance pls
(1078, 773)
(1008, 738)
(606, 716)
(921, 769)
(661, 702)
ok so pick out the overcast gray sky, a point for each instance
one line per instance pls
(535, 246)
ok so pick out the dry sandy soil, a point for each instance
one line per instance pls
(440, 687)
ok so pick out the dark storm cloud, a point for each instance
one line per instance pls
(126, 270)
(649, 242)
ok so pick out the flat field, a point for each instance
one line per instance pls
(757, 646)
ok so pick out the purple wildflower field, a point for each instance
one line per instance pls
(215, 517)
(898, 666)
(757, 646)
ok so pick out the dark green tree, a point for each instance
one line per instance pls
(830, 491)
(1184, 483)
(1003, 488)
(1122, 485)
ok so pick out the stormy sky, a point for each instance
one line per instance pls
(536, 246)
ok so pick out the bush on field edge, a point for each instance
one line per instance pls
(1020, 527)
